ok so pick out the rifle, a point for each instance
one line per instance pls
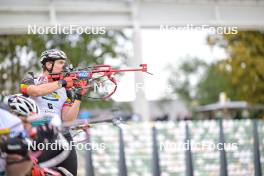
(85, 77)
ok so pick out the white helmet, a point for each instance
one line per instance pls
(52, 55)
(22, 105)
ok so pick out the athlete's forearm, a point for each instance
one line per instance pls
(72, 112)
(43, 89)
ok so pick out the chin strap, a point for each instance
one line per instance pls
(50, 70)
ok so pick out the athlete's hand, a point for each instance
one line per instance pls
(46, 133)
(69, 82)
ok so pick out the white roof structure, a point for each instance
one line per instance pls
(16, 15)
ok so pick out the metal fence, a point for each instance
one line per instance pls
(184, 148)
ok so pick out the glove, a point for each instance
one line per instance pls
(46, 133)
(81, 91)
(15, 145)
(67, 82)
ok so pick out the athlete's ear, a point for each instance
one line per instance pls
(48, 65)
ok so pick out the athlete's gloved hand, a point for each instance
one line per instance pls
(15, 145)
(67, 82)
(46, 133)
